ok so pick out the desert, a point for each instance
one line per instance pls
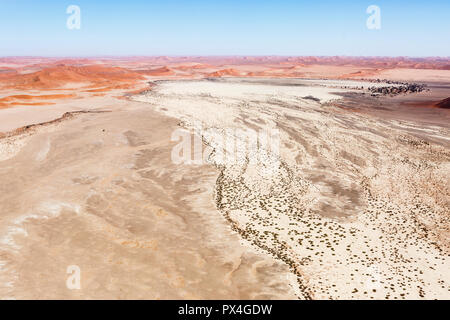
(354, 205)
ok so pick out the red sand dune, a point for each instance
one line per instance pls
(110, 87)
(192, 66)
(360, 74)
(7, 72)
(12, 104)
(26, 99)
(297, 67)
(225, 72)
(55, 77)
(37, 97)
(97, 78)
(163, 71)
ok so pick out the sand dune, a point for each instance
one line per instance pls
(355, 205)
(25, 99)
(40, 73)
(225, 72)
(55, 77)
(162, 71)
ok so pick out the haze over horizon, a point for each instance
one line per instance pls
(201, 28)
(212, 56)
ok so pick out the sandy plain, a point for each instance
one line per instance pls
(356, 206)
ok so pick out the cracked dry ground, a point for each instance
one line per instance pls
(357, 207)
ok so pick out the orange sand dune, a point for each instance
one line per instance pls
(192, 66)
(225, 72)
(255, 74)
(360, 74)
(31, 103)
(163, 71)
(37, 97)
(12, 104)
(111, 87)
(7, 72)
(297, 66)
(96, 76)
(26, 100)
(55, 77)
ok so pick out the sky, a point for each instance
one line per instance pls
(226, 27)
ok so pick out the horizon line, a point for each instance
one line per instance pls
(219, 56)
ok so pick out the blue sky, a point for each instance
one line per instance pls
(408, 28)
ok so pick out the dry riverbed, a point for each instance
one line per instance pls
(353, 206)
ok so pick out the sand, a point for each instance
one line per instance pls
(355, 205)
(138, 226)
(353, 208)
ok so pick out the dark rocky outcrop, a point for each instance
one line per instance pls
(445, 104)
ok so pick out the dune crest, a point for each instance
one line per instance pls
(225, 72)
(55, 77)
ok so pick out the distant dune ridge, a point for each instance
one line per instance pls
(225, 72)
(56, 76)
(163, 71)
(80, 78)
(70, 78)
